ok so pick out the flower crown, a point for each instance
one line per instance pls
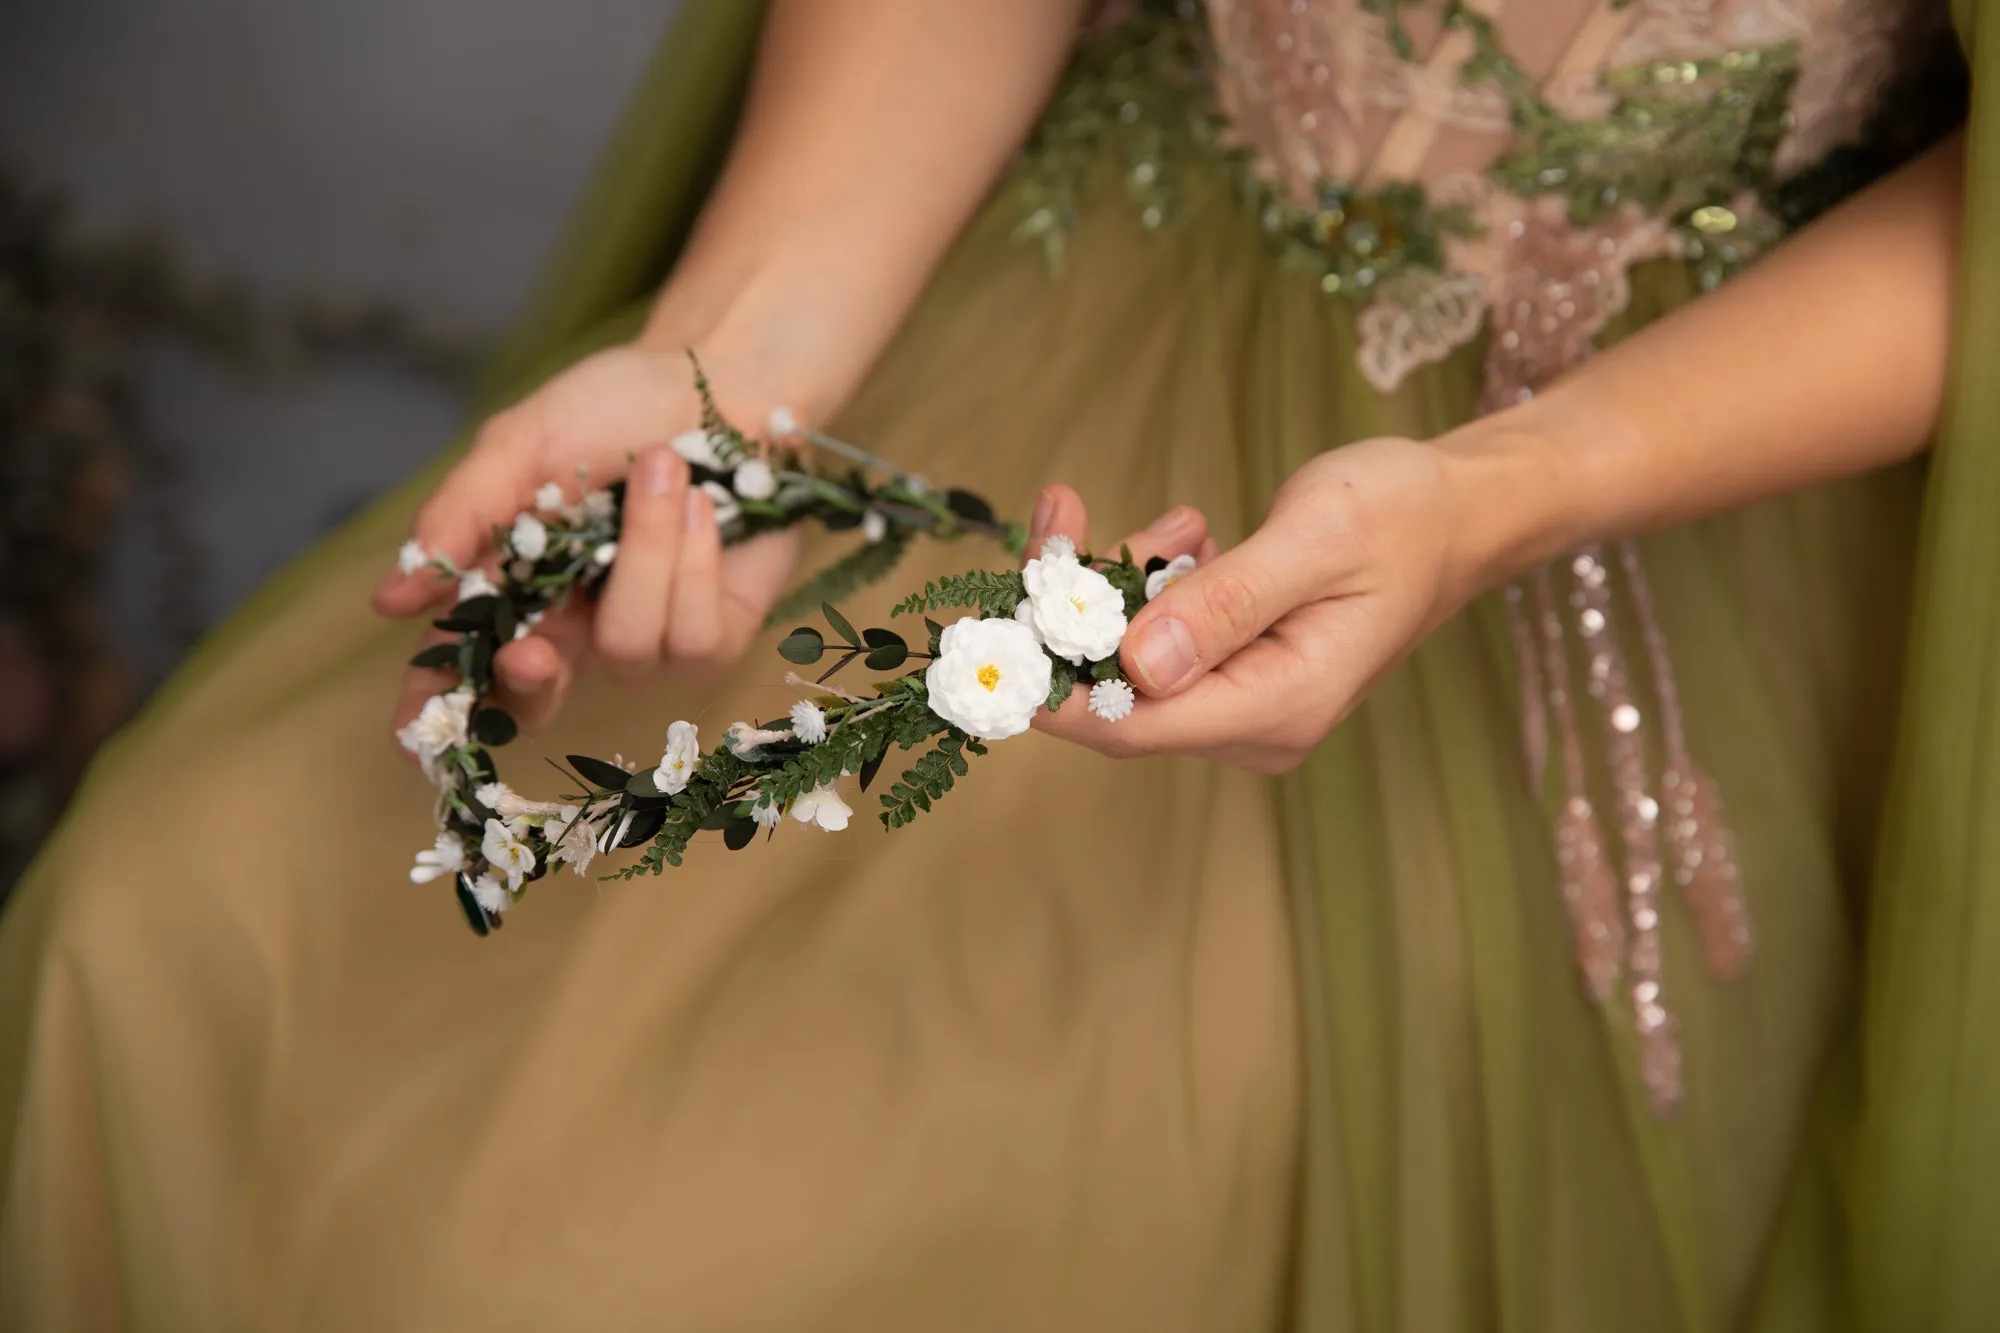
(1036, 635)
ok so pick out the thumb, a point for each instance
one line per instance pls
(1198, 622)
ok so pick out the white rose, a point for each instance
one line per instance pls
(1074, 609)
(989, 678)
(726, 509)
(448, 858)
(1164, 578)
(682, 756)
(1111, 700)
(698, 448)
(506, 853)
(822, 806)
(808, 722)
(411, 557)
(439, 727)
(528, 537)
(476, 584)
(755, 480)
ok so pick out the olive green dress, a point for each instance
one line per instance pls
(1095, 1046)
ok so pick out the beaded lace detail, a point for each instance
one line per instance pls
(1453, 167)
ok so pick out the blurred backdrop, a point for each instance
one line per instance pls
(249, 252)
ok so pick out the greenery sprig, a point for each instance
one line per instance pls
(1038, 633)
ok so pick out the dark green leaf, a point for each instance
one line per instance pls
(968, 506)
(889, 650)
(504, 621)
(441, 655)
(475, 915)
(491, 726)
(839, 623)
(803, 645)
(827, 674)
(871, 767)
(644, 825)
(1156, 564)
(738, 833)
(1062, 679)
(718, 818)
(482, 661)
(1104, 670)
(641, 784)
(599, 773)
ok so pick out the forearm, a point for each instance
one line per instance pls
(1825, 360)
(873, 130)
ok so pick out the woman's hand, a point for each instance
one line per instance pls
(1257, 654)
(674, 595)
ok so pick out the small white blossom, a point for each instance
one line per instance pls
(808, 723)
(575, 840)
(447, 858)
(698, 448)
(727, 511)
(990, 677)
(783, 423)
(682, 756)
(490, 895)
(529, 538)
(754, 480)
(598, 504)
(438, 728)
(874, 526)
(822, 806)
(1074, 610)
(745, 740)
(1111, 700)
(766, 815)
(549, 499)
(613, 836)
(506, 853)
(1058, 547)
(503, 801)
(474, 583)
(411, 557)
(604, 554)
(1168, 575)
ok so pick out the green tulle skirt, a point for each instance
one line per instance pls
(1095, 1046)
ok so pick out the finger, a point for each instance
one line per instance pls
(753, 576)
(484, 490)
(1180, 531)
(1219, 608)
(1059, 511)
(534, 673)
(694, 634)
(631, 622)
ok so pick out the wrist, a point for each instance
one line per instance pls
(1518, 492)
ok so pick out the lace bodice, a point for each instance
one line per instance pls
(1451, 161)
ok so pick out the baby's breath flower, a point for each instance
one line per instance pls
(604, 554)
(727, 510)
(598, 504)
(529, 538)
(1058, 547)
(1111, 700)
(490, 894)
(783, 424)
(754, 480)
(822, 806)
(683, 754)
(549, 499)
(474, 583)
(412, 557)
(808, 723)
(874, 526)
(1168, 575)
(698, 448)
(506, 852)
(447, 858)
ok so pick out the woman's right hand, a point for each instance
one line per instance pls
(673, 597)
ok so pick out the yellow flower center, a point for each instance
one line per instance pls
(989, 676)
(1077, 602)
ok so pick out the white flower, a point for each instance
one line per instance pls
(783, 423)
(529, 538)
(679, 762)
(808, 723)
(1058, 547)
(474, 583)
(754, 480)
(575, 840)
(1111, 700)
(1168, 575)
(502, 800)
(1072, 608)
(505, 852)
(549, 499)
(411, 557)
(698, 447)
(766, 815)
(874, 526)
(726, 509)
(745, 740)
(822, 806)
(440, 727)
(448, 858)
(989, 678)
(604, 554)
(613, 836)
(486, 891)
(598, 504)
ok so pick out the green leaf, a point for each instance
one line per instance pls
(492, 726)
(991, 592)
(968, 506)
(644, 825)
(803, 646)
(504, 621)
(873, 766)
(736, 834)
(1062, 680)
(839, 623)
(439, 655)
(475, 915)
(888, 649)
(599, 773)
(1108, 669)
(481, 672)
(641, 784)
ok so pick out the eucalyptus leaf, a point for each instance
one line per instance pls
(969, 506)
(736, 835)
(599, 773)
(873, 766)
(803, 646)
(839, 623)
(441, 655)
(645, 823)
(492, 726)
(475, 915)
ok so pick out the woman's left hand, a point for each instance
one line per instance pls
(1253, 657)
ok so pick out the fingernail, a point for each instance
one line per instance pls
(656, 472)
(1164, 655)
(1168, 522)
(1045, 508)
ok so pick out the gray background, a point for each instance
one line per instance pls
(418, 151)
